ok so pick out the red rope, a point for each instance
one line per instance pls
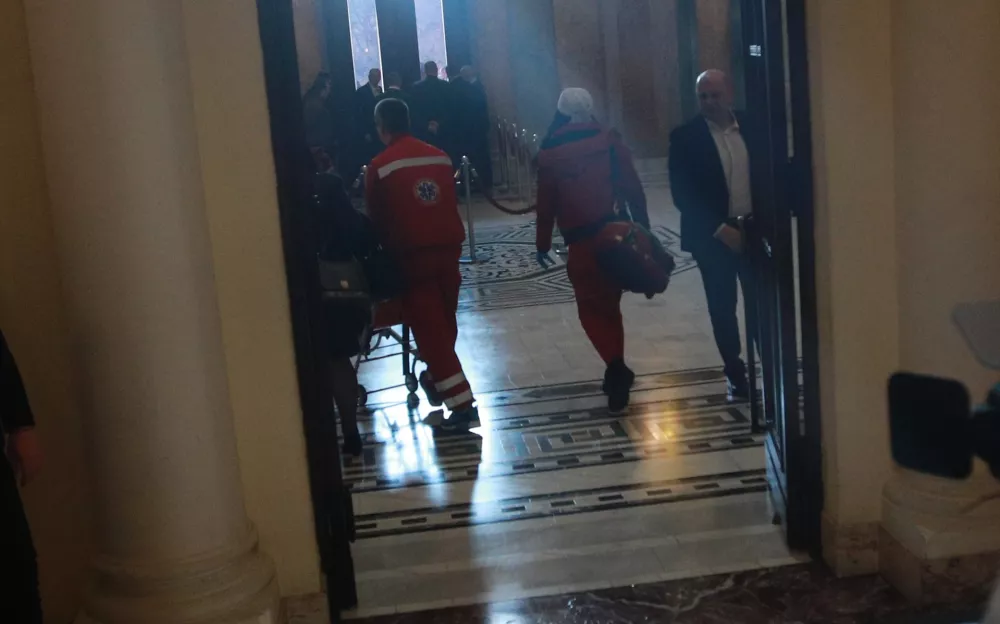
(504, 209)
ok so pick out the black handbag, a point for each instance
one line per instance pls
(344, 281)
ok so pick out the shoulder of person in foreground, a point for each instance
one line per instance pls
(15, 411)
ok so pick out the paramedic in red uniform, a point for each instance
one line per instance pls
(412, 200)
(583, 169)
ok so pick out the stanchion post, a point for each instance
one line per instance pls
(515, 182)
(467, 181)
(466, 173)
(524, 161)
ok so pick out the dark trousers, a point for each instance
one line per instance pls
(479, 152)
(720, 270)
(19, 598)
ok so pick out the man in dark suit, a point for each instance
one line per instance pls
(472, 123)
(710, 178)
(433, 109)
(19, 597)
(364, 116)
(393, 89)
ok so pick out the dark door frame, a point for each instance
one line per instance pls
(794, 432)
(332, 510)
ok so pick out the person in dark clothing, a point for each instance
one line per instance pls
(393, 90)
(365, 98)
(343, 234)
(20, 600)
(472, 123)
(710, 178)
(320, 132)
(433, 109)
(583, 169)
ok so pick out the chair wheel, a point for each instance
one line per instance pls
(362, 396)
(411, 382)
(412, 401)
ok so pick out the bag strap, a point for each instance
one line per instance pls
(616, 176)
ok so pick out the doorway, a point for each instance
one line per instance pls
(554, 494)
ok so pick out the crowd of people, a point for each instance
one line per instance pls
(450, 114)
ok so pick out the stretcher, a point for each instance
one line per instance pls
(388, 326)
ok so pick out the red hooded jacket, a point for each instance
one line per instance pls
(583, 170)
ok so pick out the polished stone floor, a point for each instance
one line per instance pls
(802, 594)
(553, 495)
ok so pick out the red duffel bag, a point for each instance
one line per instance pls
(633, 258)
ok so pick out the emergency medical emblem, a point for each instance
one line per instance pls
(427, 191)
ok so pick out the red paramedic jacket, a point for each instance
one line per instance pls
(410, 189)
(575, 185)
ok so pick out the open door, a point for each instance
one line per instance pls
(781, 314)
(332, 508)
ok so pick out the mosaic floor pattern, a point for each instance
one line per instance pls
(512, 279)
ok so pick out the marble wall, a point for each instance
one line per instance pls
(628, 53)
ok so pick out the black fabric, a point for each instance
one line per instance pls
(367, 142)
(342, 234)
(15, 412)
(472, 128)
(698, 181)
(721, 269)
(19, 598)
(433, 100)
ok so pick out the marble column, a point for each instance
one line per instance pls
(941, 537)
(121, 154)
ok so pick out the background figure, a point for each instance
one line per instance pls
(319, 121)
(364, 118)
(472, 122)
(394, 90)
(583, 170)
(710, 177)
(343, 234)
(412, 201)
(19, 596)
(433, 108)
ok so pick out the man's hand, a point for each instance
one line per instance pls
(24, 454)
(730, 237)
(544, 260)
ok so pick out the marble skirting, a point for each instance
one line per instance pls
(807, 594)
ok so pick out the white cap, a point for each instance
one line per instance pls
(576, 103)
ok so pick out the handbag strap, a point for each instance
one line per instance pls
(616, 176)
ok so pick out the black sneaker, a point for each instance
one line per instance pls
(433, 396)
(738, 391)
(352, 444)
(462, 420)
(618, 382)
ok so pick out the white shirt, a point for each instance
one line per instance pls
(735, 164)
(376, 90)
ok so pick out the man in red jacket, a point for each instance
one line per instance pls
(583, 170)
(412, 201)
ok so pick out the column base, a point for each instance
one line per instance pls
(966, 579)
(236, 585)
(850, 549)
(939, 541)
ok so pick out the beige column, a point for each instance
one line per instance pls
(940, 536)
(119, 135)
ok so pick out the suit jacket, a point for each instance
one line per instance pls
(433, 100)
(698, 181)
(364, 107)
(393, 93)
(472, 110)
